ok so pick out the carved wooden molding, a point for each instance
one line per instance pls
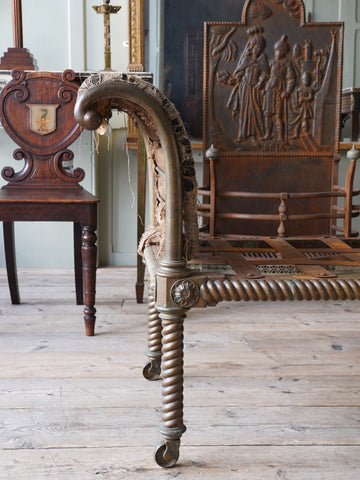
(136, 36)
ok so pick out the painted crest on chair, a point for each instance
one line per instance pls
(42, 118)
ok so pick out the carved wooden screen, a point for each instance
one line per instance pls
(272, 89)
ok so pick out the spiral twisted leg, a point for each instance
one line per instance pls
(216, 291)
(172, 426)
(152, 369)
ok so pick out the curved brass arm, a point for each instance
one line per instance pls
(128, 97)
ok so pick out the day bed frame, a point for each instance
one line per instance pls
(186, 272)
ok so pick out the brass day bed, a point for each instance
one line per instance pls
(276, 224)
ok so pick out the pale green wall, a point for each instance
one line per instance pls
(62, 34)
(67, 33)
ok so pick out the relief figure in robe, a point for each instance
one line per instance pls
(248, 81)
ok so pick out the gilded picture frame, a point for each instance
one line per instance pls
(136, 36)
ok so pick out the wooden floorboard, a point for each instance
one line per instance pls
(272, 390)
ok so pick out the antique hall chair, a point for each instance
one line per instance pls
(275, 224)
(37, 112)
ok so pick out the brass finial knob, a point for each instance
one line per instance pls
(212, 153)
(353, 154)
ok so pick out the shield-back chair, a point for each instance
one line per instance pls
(37, 112)
(275, 223)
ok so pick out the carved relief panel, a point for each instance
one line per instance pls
(273, 81)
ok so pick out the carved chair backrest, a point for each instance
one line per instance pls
(37, 112)
(272, 91)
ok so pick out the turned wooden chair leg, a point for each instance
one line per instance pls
(139, 287)
(152, 370)
(88, 250)
(10, 258)
(141, 199)
(78, 265)
(172, 426)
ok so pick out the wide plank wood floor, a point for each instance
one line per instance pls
(272, 390)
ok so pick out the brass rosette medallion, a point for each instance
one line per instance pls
(185, 293)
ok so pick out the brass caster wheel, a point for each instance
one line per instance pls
(166, 455)
(152, 370)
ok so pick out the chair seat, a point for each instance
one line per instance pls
(26, 204)
(34, 195)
